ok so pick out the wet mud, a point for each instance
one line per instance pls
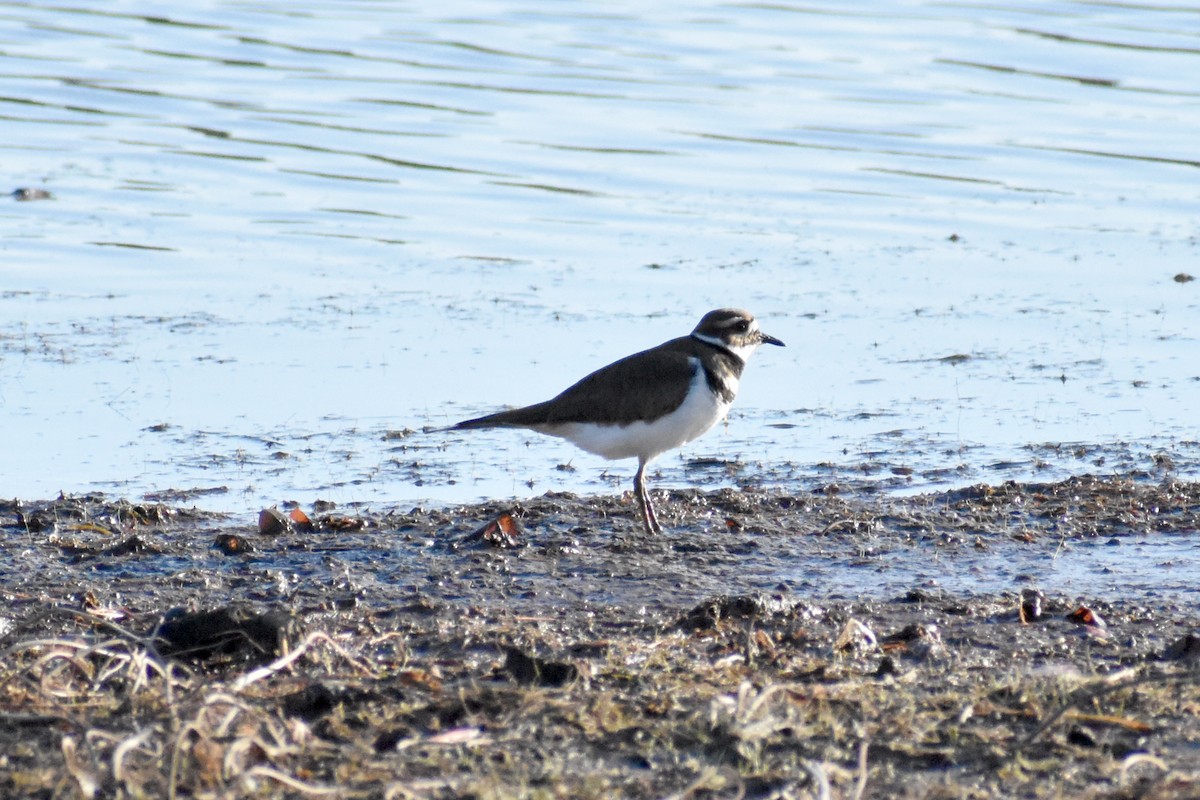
(824, 644)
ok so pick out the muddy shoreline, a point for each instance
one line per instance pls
(831, 644)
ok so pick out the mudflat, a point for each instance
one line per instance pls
(1018, 640)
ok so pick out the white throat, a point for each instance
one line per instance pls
(742, 351)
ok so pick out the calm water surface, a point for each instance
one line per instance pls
(282, 235)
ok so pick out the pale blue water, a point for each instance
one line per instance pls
(282, 230)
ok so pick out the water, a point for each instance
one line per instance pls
(284, 234)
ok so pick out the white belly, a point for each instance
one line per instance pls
(701, 409)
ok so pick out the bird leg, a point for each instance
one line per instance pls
(643, 500)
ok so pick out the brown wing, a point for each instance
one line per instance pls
(643, 386)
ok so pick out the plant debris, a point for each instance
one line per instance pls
(380, 660)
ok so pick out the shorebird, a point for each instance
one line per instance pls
(649, 402)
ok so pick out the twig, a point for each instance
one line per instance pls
(846, 522)
(1094, 693)
(860, 786)
(86, 779)
(119, 753)
(177, 757)
(92, 619)
(817, 772)
(282, 662)
(290, 782)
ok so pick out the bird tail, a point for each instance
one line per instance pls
(524, 417)
(490, 421)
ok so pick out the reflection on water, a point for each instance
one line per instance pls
(280, 237)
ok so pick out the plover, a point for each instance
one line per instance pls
(649, 402)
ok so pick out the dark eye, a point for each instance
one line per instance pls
(742, 326)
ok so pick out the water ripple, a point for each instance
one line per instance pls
(396, 216)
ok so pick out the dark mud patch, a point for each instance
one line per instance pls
(402, 654)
